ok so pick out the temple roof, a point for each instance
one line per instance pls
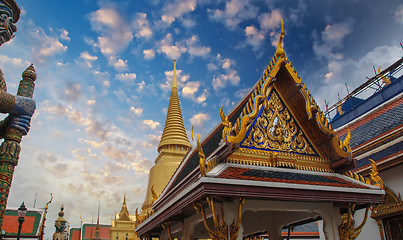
(89, 228)
(75, 234)
(375, 135)
(124, 213)
(276, 145)
(31, 226)
(174, 131)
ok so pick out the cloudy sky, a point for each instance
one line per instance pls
(105, 67)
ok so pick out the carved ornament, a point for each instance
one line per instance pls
(220, 229)
(346, 228)
(202, 162)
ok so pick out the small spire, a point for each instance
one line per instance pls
(174, 81)
(124, 213)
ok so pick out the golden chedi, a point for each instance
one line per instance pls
(172, 148)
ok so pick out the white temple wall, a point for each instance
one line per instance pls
(392, 178)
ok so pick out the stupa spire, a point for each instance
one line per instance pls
(124, 213)
(174, 134)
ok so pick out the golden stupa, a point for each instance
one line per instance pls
(172, 148)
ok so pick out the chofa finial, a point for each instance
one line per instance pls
(280, 52)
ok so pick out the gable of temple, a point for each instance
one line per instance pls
(277, 124)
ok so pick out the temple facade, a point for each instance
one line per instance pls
(272, 164)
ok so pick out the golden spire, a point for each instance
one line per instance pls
(174, 134)
(124, 213)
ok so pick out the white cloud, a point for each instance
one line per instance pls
(118, 64)
(199, 119)
(141, 86)
(194, 48)
(152, 141)
(149, 54)
(115, 33)
(64, 35)
(15, 62)
(269, 24)
(399, 14)
(45, 46)
(126, 77)
(234, 13)
(222, 80)
(354, 71)
(190, 89)
(142, 26)
(87, 58)
(254, 37)
(177, 9)
(172, 51)
(136, 111)
(297, 14)
(188, 23)
(72, 92)
(331, 39)
(148, 123)
(181, 77)
(225, 75)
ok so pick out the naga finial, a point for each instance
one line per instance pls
(374, 175)
(153, 193)
(280, 52)
(202, 157)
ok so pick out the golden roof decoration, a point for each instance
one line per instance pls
(374, 179)
(174, 131)
(280, 127)
(124, 213)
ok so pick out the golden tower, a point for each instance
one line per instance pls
(123, 226)
(172, 148)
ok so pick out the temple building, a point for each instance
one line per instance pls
(376, 127)
(32, 227)
(274, 163)
(91, 231)
(124, 224)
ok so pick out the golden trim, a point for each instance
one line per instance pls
(346, 228)
(392, 204)
(220, 229)
(202, 161)
(374, 179)
(279, 159)
(165, 226)
(374, 175)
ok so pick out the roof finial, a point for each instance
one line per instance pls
(174, 85)
(280, 52)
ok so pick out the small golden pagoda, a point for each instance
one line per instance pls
(123, 226)
(171, 150)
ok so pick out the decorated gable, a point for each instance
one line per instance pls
(282, 126)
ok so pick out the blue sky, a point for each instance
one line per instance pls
(105, 67)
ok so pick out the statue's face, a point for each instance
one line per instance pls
(7, 27)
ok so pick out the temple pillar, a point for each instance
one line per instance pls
(189, 226)
(331, 221)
